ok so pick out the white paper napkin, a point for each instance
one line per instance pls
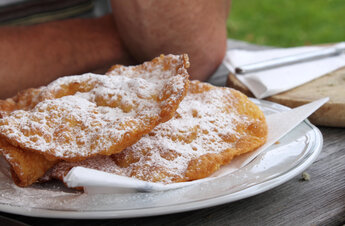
(272, 81)
(95, 181)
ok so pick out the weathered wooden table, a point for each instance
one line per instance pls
(319, 201)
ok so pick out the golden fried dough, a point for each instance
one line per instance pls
(211, 126)
(26, 166)
(76, 117)
(24, 100)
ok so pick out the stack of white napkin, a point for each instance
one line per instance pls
(276, 80)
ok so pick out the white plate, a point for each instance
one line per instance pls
(283, 161)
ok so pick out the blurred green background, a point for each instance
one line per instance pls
(287, 22)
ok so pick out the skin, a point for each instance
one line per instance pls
(196, 27)
(32, 56)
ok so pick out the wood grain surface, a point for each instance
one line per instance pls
(319, 201)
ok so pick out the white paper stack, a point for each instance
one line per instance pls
(276, 80)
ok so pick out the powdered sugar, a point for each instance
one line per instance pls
(81, 116)
(198, 128)
(193, 132)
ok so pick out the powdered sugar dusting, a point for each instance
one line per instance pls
(195, 131)
(202, 125)
(81, 116)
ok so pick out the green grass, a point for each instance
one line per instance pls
(287, 22)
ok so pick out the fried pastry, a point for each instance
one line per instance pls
(211, 126)
(26, 166)
(81, 116)
(76, 117)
